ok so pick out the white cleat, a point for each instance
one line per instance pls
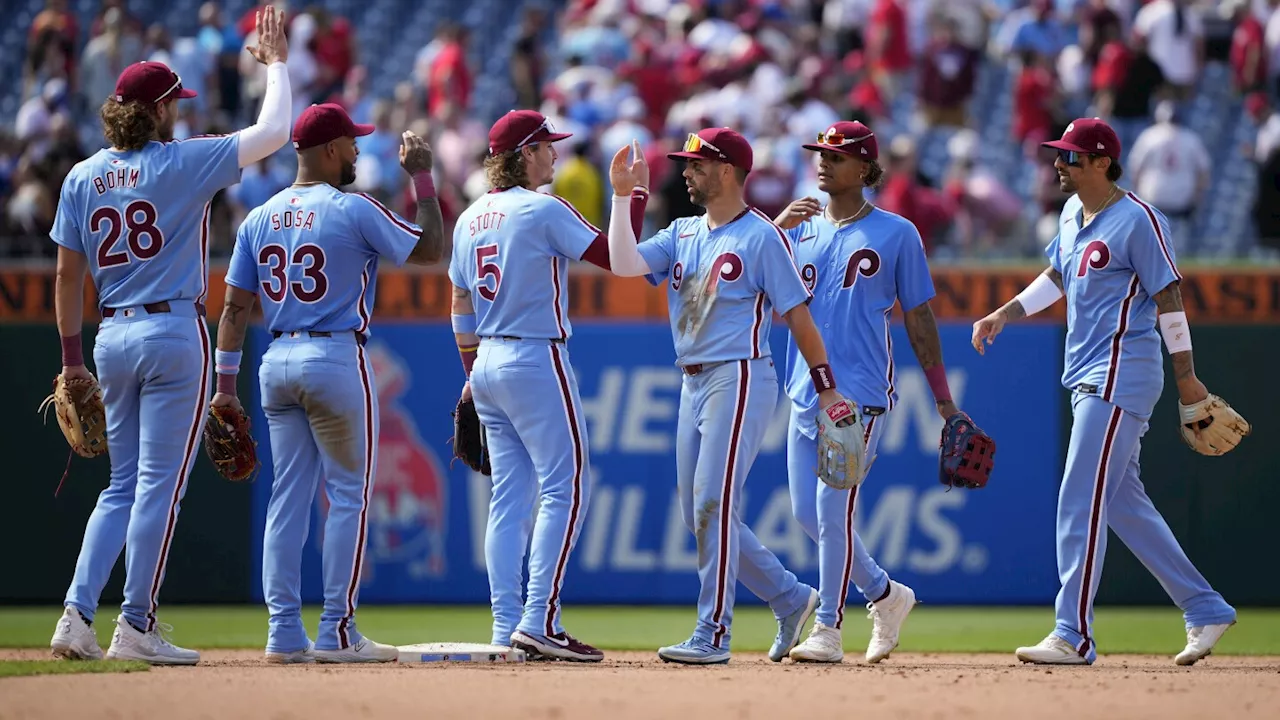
(823, 645)
(1052, 650)
(888, 616)
(129, 643)
(1200, 642)
(364, 651)
(73, 639)
(305, 655)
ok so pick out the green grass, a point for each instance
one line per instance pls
(22, 668)
(929, 629)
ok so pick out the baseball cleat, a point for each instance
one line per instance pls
(130, 643)
(824, 645)
(561, 646)
(1052, 650)
(363, 650)
(790, 627)
(888, 615)
(74, 639)
(694, 651)
(1200, 642)
(305, 655)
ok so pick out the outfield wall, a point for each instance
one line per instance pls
(427, 519)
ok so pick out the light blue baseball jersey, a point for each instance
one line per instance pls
(511, 251)
(311, 254)
(856, 274)
(141, 217)
(1110, 271)
(724, 284)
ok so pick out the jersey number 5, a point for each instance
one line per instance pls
(140, 220)
(484, 268)
(274, 257)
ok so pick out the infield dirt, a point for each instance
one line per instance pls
(630, 685)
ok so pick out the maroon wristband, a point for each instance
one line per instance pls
(72, 351)
(468, 353)
(424, 185)
(822, 377)
(937, 377)
(226, 384)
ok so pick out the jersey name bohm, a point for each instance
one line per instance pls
(125, 177)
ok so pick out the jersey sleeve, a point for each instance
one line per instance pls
(659, 251)
(242, 271)
(915, 283)
(210, 162)
(1150, 252)
(567, 231)
(387, 233)
(1051, 252)
(778, 276)
(458, 269)
(66, 231)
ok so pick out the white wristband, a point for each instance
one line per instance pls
(1040, 294)
(1176, 332)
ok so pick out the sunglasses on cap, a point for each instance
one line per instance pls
(175, 87)
(546, 125)
(837, 139)
(695, 144)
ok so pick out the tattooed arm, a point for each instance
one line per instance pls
(1190, 389)
(1044, 291)
(231, 329)
(922, 330)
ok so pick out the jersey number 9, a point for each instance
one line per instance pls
(140, 220)
(278, 284)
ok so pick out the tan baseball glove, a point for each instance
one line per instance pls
(81, 414)
(1211, 426)
(841, 447)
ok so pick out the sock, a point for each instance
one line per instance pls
(86, 620)
(887, 588)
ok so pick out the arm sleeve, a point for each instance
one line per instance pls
(915, 284)
(242, 272)
(779, 278)
(567, 231)
(210, 162)
(387, 233)
(1151, 253)
(659, 251)
(66, 232)
(271, 132)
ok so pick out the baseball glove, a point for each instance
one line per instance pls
(1211, 426)
(841, 446)
(967, 455)
(229, 445)
(81, 414)
(469, 442)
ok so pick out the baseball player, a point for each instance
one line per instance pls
(511, 253)
(857, 260)
(726, 272)
(1113, 260)
(136, 216)
(311, 254)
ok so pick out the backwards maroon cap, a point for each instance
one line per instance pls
(324, 123)
(720, 144)
(848, 138)
(519, 128)
(150, 82)
(1088, 136)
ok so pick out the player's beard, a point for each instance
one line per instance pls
(700, 196)
(1065, 183)
(164, 128)
(348, 174)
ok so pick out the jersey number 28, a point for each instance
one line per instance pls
(274, 257)
(139, 219)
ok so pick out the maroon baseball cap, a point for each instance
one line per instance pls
(848, 138)
(721, 144)
(150, 82)
(324, 123)
(1088, 136)
(519, 128)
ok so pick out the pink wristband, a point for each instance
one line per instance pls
(72, 351)
(424, 185)
(937, 377)
(226, 384)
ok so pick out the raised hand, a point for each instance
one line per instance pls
(626, 176)
(797, 212)
(415, 154)
(272, 46)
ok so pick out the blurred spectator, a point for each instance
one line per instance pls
(888, 52)
(769, 186)
(1266, 206)
(186, 57)
(334, 49)
(1268, 121)
(1248, 48)
(1033, 27)
(258, 183)
(650, 73)
(449, 78)
(904, 194)
(355, 95)
(1034, 102)
(107, 55)
(988, 213)
(130, 22)
(222, 41)
(629, 126)
(378, 167)
(458, 138)
(52, 42)
(1099, 25)
(527, 62)
(1170, 167)
(34, 125)
(1126, 79)
(578, 181)
(1272, 38)
(1175, 39)
(948, 73)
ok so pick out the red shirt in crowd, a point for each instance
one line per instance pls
(1249, 53)
(333, 49)
(1112, 67)
(449, 79)
(893, 53)
(1032, 95)
(925, 207)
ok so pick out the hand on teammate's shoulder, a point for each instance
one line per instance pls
(272, 46)
(415, 154)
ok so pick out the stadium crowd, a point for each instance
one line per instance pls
(780, 71)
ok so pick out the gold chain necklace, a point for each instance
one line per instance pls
(847, 220)
(1089, 216)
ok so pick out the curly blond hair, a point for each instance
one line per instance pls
(506, 170)
(128, 126)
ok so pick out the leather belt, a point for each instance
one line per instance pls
(698, 368)
(153, 308)
(318, 334)
(512, 337)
